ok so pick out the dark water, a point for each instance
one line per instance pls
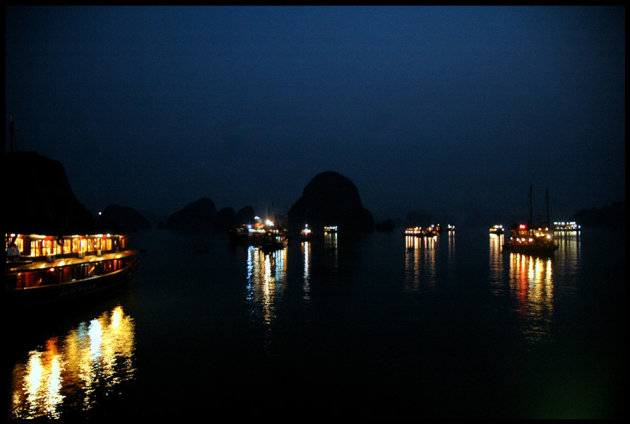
(376, 327)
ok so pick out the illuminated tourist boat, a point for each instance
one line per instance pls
(535, 241)
(432, 231)
(414, 231)
(497, 229)
(566, 226)
(524, 238)
(47, 268)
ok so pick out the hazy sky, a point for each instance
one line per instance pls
(452, 109)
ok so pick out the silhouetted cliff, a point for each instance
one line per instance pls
(331, 199)
(38, 197)
(123, 218)
(245, 216)
(202, 216)
(197, 216)
(225, 219)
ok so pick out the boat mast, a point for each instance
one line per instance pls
(529, 223)
(547, 200)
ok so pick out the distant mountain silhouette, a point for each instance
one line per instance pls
(38, 197)
(197, 216)
(331, 199)
(612, 215)
(226, 218)
(245, 216)
(201, 216)
(386, 226)
(123, 218)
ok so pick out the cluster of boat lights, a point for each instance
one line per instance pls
(259, 228)
(566, 226)
(530, 239)
(431, 230)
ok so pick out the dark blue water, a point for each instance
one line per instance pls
(374, 327)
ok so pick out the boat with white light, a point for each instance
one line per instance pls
(265, 234)
(330, 229)
(497, 229)
(563, 226)
(414, 231)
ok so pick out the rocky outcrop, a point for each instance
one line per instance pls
(38, 197)
(331, 199)
(245, 216)
(197, 216)
(202, 216)
(224, 219)
(123, 218)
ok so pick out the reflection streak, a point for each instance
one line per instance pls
(330, 246)
(71, 372)
(451, 250)
(569, 251)
(496, 261)
(531, 283)
(306, 252)
(419, 262)
(266, 274)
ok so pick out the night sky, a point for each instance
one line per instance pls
(451, 110)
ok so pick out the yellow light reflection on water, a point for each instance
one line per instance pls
(569, 250)
(266, 275)
(330, 240)
(496, 261)
(451, 249)
(531, 282)
(93, 357)
(420, 270)
(330, 247)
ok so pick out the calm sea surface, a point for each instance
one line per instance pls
(380, 326)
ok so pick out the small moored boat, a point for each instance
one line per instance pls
(497, 229)
(330, 229)
(533, 241)
(570, 226)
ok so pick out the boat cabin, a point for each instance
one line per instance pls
(44, 260)
(46, 247)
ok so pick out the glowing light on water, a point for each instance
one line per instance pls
(69, 371)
